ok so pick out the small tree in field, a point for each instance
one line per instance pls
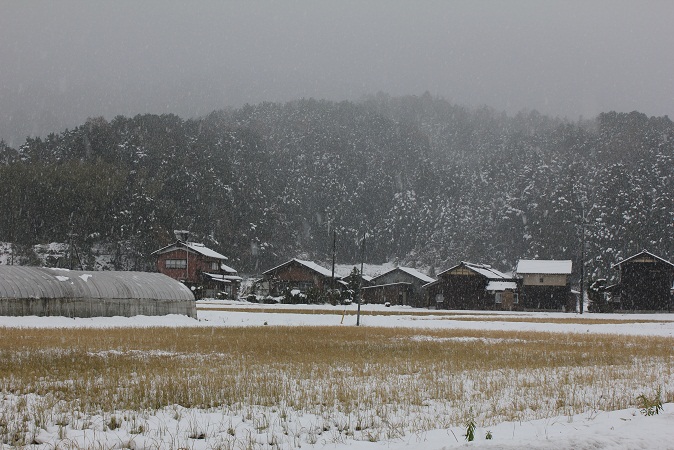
(596, 294)
(354, 282)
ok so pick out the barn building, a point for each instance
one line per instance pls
(202, 269)
(40, 291)
(295, 275)
(645, 283)
(399, 286)
(473, 286)
(546, 284)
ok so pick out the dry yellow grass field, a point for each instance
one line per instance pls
(382, 381)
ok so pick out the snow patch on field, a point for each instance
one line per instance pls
(422, 338)
(282, 427)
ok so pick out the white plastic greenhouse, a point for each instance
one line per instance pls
(39, 291)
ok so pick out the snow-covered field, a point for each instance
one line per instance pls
(270, 427)
(227, 313)
(615, 430)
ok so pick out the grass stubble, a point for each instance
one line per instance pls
(281, 387)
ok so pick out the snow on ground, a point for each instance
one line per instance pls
(624, 429)
(614, 430)
(664, 326)
(216, 313)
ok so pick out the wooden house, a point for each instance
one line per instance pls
(645, 283)
(473, 286)
(296, 274)
(200, 268)
(545, 284)
(399, 286)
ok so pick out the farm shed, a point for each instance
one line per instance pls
(546, 284)
(399, 286)
(40, 291)
(296, 274)
(473, 286)
(645, 283)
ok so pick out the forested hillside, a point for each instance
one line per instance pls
(431, 183)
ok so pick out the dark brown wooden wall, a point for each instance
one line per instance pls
(646, 286)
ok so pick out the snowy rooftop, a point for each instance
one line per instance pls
(401, 283)
(367, 278)
(487, 271)
(320, 269)
(223, 278)
(368, 268)
(201, 248)
(501, 285)
(309, 264)
(194, 246)
(545, 266)
(642, 254)
(227, 269)
(415, 273)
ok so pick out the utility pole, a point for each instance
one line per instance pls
(334, 251)
(11, 237)
(582, 264)
(71, 249)
(583, 226)
(360, 284)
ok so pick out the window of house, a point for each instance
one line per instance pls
(439, 298)
(516, 298)
(498, 297)
(541, 280)
(214, 266)
(303, 286)
(176, 263)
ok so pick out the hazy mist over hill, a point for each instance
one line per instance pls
(65, 61)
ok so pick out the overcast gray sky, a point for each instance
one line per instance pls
(63, 61)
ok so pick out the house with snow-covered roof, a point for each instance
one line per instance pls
(546, 284)
(200, 268)
(296, 275)
(398, 286)
(645, 283)
(473, 286)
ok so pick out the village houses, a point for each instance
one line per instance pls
(200, 268)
